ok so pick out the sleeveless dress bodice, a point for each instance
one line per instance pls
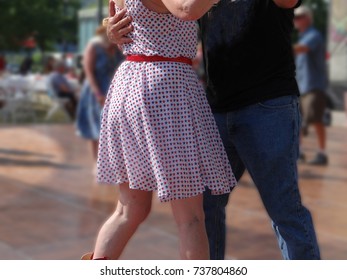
(166, 35)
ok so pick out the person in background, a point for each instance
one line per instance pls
(26, 65)
(312, 79)
(59, 86)
(100, 61)
(2, 72)
(48, 66)
(2, 64)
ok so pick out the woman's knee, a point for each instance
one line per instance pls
(134, 206)
(140, 214)
(132, 216)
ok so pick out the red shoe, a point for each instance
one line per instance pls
(89, 257)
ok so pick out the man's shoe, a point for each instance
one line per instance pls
(320, 159)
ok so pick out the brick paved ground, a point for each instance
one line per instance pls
(51, 209)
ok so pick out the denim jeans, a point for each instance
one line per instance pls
(264, 139)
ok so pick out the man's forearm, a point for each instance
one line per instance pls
(189, 9)
(286, 4)
(298, 49)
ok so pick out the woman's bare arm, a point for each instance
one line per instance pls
(119, 24)
(286, 4)
(189, 9)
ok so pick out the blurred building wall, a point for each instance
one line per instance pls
(338, 50)
(87, 23)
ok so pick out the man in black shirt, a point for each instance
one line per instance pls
(252, 91)
(247, 52)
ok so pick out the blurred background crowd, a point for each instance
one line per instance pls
(38, 35)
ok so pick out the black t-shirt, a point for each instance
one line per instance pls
(248, 53)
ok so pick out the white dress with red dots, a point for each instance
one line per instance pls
(158, 131)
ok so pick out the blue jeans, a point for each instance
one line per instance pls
(264, 138)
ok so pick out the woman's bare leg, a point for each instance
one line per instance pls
(132, 209)
(190, 219)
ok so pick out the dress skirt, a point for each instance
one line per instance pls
(158, 133)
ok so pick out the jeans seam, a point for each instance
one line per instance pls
(217, 218)
(298, 199)
(217, 231)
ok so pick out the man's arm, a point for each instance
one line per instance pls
(118, 25)
(309, 42)
(286, 4)
(299, 48)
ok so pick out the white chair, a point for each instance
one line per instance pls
(58, 104)
(17, 103)
(3, 99)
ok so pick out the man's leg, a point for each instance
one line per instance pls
(266, 138)
(321, 135)
(314, 104)
(214, 205)
(321, 157)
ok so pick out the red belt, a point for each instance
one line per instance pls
(145, 58)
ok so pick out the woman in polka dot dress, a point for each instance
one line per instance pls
(158, 132)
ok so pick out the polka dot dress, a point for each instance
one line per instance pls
(158, 132)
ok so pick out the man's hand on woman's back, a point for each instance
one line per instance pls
(118, 25)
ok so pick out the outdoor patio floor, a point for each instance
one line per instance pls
(50, 207)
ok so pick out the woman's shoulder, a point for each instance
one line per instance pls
(95, 41)
(95, 44)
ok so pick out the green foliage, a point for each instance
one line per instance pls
(95, 3)
(47, 20)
